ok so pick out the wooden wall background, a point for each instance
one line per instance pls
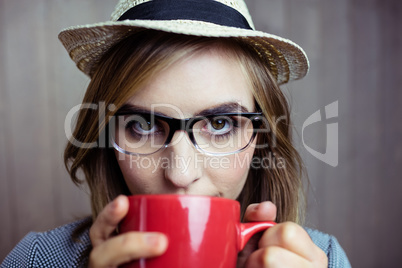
(355, 51)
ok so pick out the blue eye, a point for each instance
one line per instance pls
(142, 126)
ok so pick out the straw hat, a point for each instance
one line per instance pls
(86, 44)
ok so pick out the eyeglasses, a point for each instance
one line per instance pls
(218, 134)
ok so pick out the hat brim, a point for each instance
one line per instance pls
(86, 44)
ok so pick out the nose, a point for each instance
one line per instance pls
(183, 169)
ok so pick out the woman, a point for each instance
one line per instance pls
(154, 65)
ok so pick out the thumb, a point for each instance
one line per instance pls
(264, 211)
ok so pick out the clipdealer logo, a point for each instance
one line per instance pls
(330, 156)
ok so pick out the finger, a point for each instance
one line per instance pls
(108, 220)
(264, 211)
(294, 238)
(128, 247)
(275, 257)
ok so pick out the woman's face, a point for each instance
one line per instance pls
(207, 81)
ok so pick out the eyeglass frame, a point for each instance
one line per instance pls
(187, 125)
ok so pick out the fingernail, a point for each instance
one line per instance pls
(155, 240)
(266, 204)
(152, 240)
(254, 206)
(115, 203)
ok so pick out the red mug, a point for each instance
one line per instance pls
(202, 231)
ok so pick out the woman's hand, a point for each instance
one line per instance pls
(110, 250)
(283, 245)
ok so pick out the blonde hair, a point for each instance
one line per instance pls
(129, 65)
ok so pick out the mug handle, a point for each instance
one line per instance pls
(247, 230)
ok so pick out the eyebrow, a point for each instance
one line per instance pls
(132, 109)
(228, 107)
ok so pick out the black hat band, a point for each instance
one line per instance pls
(198, 10)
